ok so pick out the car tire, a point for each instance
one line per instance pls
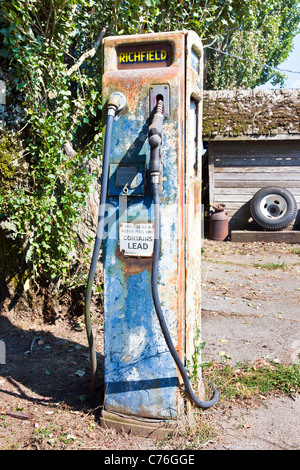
(273, 208)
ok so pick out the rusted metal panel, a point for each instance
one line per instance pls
(193, 216)
(140, 374)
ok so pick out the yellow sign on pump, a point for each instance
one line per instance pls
(144, 56)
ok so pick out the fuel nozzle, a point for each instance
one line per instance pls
(155, 139)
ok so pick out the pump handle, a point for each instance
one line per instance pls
(155, 132)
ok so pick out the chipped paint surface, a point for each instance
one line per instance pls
(140, 374)
(193, 232)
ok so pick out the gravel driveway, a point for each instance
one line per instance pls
(250, 311)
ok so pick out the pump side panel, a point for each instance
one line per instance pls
(194, 230)
(140, 374)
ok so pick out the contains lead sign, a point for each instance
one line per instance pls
(136, 239)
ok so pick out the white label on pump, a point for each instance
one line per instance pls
(136, 239)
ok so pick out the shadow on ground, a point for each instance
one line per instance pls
(42, 367)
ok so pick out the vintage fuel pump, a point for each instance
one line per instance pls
(150, 224)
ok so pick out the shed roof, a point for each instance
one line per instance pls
(248, 114)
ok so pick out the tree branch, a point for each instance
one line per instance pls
(48, 20)
(53, 21)
(87, 54)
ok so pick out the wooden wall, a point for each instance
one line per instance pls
(238, 169)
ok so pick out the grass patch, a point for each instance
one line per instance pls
(272, 266)
(255, 379)
(243, 381)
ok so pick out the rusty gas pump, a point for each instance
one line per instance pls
(150, 224)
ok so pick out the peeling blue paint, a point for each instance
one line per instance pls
(140, 374)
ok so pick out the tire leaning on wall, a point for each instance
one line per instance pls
(273, 208)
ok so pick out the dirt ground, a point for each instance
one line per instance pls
(250, 311)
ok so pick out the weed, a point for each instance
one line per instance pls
(255, 379)
(43, 433)
(272, 266)
(53, 436)
(192, 432)
(66, 438)
(194, 365)
(3, 422)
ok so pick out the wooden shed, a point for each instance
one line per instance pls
(252, 140)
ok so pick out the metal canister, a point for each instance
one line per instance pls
(219, 223)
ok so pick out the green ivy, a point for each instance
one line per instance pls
(58, 110)
(9, 153)
(51, 52)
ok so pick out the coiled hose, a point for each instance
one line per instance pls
(155, 135)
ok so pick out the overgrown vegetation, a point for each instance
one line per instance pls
(60, 112)
(193, 431)
(52, 58)
(255, 379)
(9, 153)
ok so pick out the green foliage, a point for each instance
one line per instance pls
(194, 365)
(50, 49)
(59, 109)
(262, 37)
(9, 152)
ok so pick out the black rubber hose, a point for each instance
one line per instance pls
(159, 312)
(97, 245)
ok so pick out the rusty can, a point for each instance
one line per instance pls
(219, 223)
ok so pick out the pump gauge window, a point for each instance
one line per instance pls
(126, 180)
(126, 176)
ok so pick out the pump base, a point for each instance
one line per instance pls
(143, 427)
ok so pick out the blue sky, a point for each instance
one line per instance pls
(292, 63)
